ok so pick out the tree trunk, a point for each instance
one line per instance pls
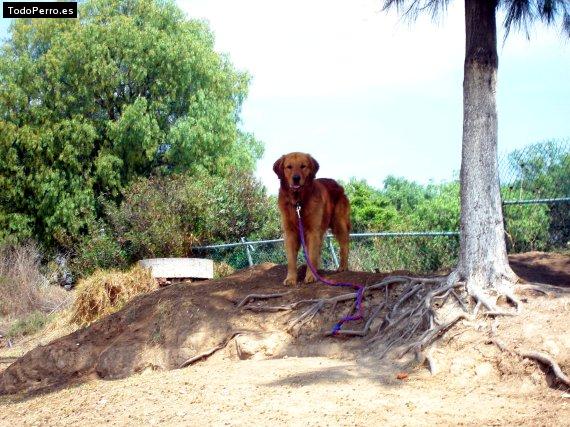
(483, 261)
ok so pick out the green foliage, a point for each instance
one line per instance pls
(370, 209)
(99, 249)
(540, 170)
(438, 209)
(527, 227)
(403, 205)
(29, 324)
(405, 195)
(87, 106)
(417, 254)
(150, 221)
(166, 216)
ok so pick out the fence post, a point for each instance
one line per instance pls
(249, 259)
(331, 248)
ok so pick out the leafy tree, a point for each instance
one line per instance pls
(439, 211)
(129, 89)
(405, 195)
(483, 262)
(370, 210)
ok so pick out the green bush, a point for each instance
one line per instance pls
(535, 172)
(415, 254)
(438, 210)
(97, 250)
(167, 216)
(370, 209)
(527, 227)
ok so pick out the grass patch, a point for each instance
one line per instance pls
(222, 269)
(29, 325)
(107, 291)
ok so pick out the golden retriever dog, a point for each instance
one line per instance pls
(323, 205)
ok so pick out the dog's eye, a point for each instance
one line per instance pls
(289, 167)
(303, 166)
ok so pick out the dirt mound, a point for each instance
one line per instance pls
(542, 267)
(167, 328)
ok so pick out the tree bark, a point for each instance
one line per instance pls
(483, 261)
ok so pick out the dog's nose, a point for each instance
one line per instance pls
(296, 179)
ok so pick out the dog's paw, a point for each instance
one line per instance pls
(309, 278)
(290, 281)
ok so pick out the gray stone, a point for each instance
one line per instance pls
(194, 268)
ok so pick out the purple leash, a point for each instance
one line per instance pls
(359, 288)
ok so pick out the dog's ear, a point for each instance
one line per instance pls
(278, 167)
(314, 166)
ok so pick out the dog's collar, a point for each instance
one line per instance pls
(297, 203)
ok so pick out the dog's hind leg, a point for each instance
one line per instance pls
(341, 235)
(341, 229)
(343, 241)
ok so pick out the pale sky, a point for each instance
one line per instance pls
(369, 94)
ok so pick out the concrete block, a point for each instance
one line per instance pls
(172, 268)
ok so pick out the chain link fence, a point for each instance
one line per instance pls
(413, 251)
(535, 186)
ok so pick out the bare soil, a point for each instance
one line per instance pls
(542, 267)
(121, 370)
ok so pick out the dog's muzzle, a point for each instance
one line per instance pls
(296, 183)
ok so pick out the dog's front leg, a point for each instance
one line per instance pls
(292, 248)
(314, 245)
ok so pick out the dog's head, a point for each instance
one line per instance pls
(296, 170)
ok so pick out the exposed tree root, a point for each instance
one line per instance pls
(413, 316)
(548, 361)
(408, 319)
(431, 335)
(539, 357)
(209, 352)
(253, 297)
(364, 331)
(430, 361)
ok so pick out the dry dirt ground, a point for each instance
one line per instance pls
(113, 372)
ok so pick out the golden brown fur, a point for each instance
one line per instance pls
(323, 205)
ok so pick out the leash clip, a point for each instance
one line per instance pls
(298, 209)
